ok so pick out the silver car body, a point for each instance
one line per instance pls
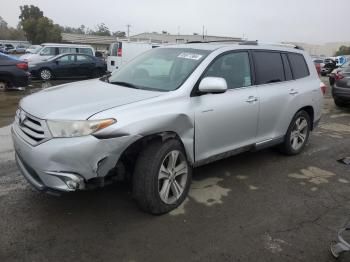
(210, 126)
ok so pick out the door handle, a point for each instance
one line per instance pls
(252, 99)
(293, 92)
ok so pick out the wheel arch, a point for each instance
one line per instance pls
(311, 112)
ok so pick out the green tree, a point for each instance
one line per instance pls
(10, 33)
(343, 50)
(102, 30)
(37, 27)
(119, 34)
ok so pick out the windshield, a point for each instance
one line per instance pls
(162, 69)
(35, 49)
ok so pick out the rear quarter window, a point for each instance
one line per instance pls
(86, 51)
(268, 67)
(298, 65)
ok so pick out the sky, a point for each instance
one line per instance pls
(264, 20)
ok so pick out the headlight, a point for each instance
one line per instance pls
(77, 128)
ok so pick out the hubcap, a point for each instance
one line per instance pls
(299, 133)
(172, 177)
(45, 74)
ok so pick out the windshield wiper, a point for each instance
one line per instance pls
(124, 84)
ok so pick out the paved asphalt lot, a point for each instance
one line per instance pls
(259, 206)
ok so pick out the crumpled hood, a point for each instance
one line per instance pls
(80, 100)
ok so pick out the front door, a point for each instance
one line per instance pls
(228, 121)
(65, 66)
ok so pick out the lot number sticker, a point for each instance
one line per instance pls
(190, 56)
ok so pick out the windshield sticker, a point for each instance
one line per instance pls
(190, 56)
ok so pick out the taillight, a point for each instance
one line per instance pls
(119, 52)
(338, 76)
(23, 66)
(323, 88)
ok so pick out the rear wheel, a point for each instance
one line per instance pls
(297, 134)
(45, 74)
(162, 177)
(3, 85)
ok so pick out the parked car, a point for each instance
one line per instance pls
(7, 47)
(13, 73)
(50, 50)
(319, 61)
(168, 110)
(69, 65)
(328, 68)
(33, 49)
(17, 50)
(340, 81)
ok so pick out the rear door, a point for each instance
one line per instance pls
(228, 121)
(85, 65)
(277, 91)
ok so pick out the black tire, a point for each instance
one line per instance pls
(4, 84)
(286, 147)
(45, 76)
(145, 179)
(339, 102)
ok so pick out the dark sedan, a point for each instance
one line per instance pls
(69, 65)
(13, 72)
(341, 85)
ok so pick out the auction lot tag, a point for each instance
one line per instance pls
(190, 56)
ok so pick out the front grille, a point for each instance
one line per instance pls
(32, 129)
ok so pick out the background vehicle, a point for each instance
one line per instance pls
(164, 112)
(33, 49)
(13, 72)
(328, 68)
(17, 50)
(69, 65)
(340, 80)
(50, 50)
(319, 61)
(120, 53)
(7, 47)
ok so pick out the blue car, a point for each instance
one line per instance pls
(69, 65)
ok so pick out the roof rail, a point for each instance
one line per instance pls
(249, 42)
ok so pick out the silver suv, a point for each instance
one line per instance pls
(167, 111)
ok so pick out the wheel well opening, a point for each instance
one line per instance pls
(128, 158)
(310, 111)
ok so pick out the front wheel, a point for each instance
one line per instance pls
(297, 134)
(162, 177)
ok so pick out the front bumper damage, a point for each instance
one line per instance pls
(67, 164)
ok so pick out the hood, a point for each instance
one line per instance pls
(80, 100)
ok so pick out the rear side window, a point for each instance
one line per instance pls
(287, 69)
(299, 66)
(268, 67)
(86, 51)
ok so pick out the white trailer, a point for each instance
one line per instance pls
(120, 53)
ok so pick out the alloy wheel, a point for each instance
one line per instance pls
(45, 74)
(299, 133)
(172, 177)
(3, 85)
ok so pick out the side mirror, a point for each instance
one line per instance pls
(213, 85)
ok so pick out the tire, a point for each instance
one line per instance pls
(45, 74)
(339, 102)
(153, 185)
(297, 135)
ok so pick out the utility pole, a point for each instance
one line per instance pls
(128, 30)
(203, 32)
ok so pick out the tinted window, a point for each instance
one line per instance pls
(268, 67)
(299, 66)
(234, 67)
(63, 50)
(287, 69)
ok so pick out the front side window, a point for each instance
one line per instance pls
(268, 67)
(298, 64)
(86, 51)
(162, 69)
(48, 51)
(233, 67)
